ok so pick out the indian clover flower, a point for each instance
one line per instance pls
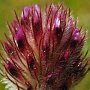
(44, 51)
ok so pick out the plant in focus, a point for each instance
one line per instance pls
(44, 51)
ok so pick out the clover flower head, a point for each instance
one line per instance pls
(44, 51)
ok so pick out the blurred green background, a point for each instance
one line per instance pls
(79, 8)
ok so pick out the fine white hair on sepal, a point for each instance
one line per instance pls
(9, 84)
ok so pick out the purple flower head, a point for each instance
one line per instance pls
(45, 50)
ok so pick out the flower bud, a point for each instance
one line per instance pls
(75, 38)
(20, 38)
(25, 13)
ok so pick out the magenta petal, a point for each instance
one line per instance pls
(75, 38)
(25, 13)
(36, 19)
(37, 23)
(76, 34)
(36, 13)
(57, 21)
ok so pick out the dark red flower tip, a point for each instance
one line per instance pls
(66, 54)
(20, 38)
(13, 70)
(31, 62)
(49, 79)
(9, 49)
(29, 88)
